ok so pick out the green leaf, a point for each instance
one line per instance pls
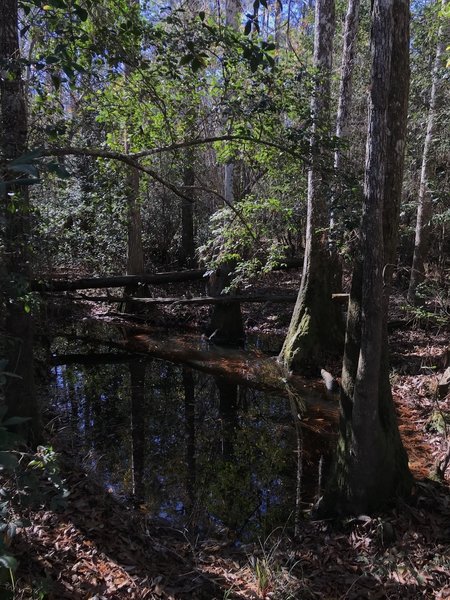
(28, 157)
(8, 561)
(59, 170)
(187, 58)
(57, 3)
(27, 168)
(11, 530)
(51, 59)
(81, 12)
(254, 63)
(25, 181)
(197, 64)
(268, 46)
(69, 71)
(56, 80)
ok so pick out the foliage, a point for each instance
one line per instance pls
(434, 307)
(258, 239)
(23, 482)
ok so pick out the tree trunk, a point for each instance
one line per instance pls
(314, 324)
(397, 116)
(135, 249)
(187, 218)
(135, 253)
(233, 11)
(345, 97)
(278, 9)
(425, 208)
(226, 324)
(16, 213)
(346, 83)
(371, 466)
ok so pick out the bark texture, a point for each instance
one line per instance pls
(425, 207)
(314, 324)
(345, 87)
(348, 63)
(371, 466)
(135, 254)
(20, 390)
(343, 125)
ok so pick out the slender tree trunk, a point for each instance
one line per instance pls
(425, 208)
(135, 248)
(371, 466)
(348, 64)
(16, 215)
(135, 253)
(226, 325)
(187, 219)
(397, 116)
(345, 90)
(314, 327)
(278, 9)
(233, 11)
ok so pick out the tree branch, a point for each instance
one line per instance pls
(218, 138)
(110, 155)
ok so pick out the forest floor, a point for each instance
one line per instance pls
(95, 548)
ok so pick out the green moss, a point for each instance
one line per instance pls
(438, 421)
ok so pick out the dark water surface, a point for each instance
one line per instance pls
(191, 449)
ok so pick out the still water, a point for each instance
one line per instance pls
(190, 449)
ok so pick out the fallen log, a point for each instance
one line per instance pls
(250, 368)
(243, 367)
(198, 300)
(114, 281)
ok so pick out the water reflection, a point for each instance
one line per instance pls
(197, 451)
